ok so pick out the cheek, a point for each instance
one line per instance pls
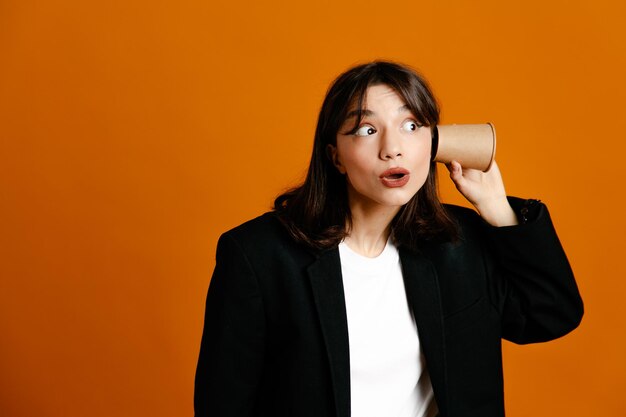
(422, 172)
(422, 162)
(354, 159)
(422, 152)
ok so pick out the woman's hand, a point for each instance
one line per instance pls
(485, 190)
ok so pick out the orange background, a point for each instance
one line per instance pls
(133, 133)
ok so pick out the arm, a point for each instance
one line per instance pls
(533, 286)
(233, 340)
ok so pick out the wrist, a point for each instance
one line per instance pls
(497, 212)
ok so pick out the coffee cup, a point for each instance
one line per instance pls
(471, 145)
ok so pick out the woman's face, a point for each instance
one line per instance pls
(387, 158)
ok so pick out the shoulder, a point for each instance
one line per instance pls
(264, 229)
(535, 229)
(468, 220)
(264, 236)
(266, 224)
(532, 214)
(461, 214)
(466, 248)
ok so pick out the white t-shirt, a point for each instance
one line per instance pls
(388, 376)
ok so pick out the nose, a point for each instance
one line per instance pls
(390, 146)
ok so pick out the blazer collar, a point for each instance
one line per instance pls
(422, 291)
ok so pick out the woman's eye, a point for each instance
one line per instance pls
(410, 126)
(365, 131)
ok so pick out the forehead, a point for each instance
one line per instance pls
(377, 98)
(378, 95)
(382, 91)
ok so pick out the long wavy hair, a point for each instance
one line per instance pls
(317, 213)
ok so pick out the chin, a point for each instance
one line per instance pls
(399, 201)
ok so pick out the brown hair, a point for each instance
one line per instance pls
(317, 213)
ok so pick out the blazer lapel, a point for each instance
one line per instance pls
(422, 291)
(327, 285)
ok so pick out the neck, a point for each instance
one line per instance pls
(370, 228)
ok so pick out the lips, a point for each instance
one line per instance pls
(395, 177)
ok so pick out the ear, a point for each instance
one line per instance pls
(331, 152)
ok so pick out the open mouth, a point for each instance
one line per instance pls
(395, 177)
(394, 173)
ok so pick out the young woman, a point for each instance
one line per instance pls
(361, 294)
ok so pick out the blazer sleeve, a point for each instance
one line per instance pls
(232, 350)
(532, 281)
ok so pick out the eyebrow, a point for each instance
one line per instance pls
(367, 112)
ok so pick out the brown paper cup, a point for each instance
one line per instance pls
(473, 146)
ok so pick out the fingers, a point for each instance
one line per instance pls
(456, 171)
(476, 186)
(456, 175)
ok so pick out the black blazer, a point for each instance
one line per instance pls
(275, 339)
